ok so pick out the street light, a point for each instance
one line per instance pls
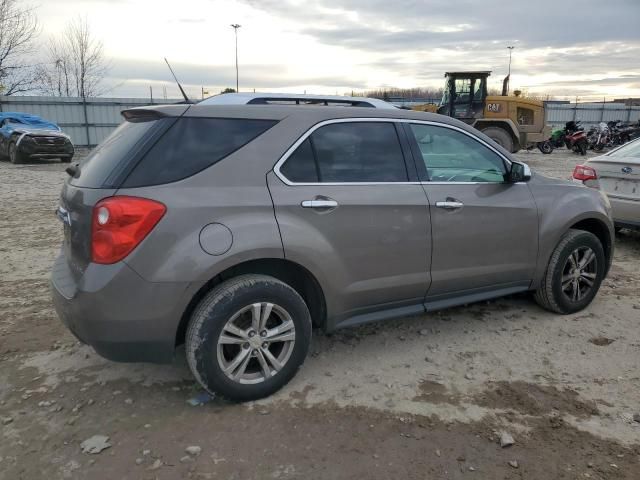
(510, 47)
(235, 27)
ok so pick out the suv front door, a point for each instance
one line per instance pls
(484, 228)
(351, 210)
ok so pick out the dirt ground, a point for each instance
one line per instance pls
(425, 397)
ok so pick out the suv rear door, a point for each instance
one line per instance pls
(485, 229)
(351, 210)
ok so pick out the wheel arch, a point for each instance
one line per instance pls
(292, 273)
(600, 230)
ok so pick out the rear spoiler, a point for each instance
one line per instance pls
(141, 115)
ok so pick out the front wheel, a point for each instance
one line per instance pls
(574, 274)
(14, 155)
(545, 147)
(248, 337)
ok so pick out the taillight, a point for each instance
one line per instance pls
(119, 224)
(582, 172)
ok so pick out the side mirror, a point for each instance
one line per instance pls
(520, 172)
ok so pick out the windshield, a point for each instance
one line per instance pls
(629, 150)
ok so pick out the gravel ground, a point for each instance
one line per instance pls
(421, 397)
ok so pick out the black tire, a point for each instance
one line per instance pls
(598, 147)
(501, 137)
(550, 294)
(545, 147)
(581, 147)
(15, 156)
(212, 315)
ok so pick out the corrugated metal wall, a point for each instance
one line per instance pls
(87, 123)
(90, 122)
(591, 113)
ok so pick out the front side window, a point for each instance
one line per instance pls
(348, 152)
(463, 90)
(452, 156)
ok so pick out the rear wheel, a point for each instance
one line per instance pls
(248, 337)
(500, 136)
(14, 155)
(574, 273)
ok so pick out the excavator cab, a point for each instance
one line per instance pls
(465, 95)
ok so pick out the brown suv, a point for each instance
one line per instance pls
(236, 228)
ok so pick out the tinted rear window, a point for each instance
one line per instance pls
(301, 167)
(97, 169)
(191, 145)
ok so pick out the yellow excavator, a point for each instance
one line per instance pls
(511, 121)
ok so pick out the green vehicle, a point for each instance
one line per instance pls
(557, 138)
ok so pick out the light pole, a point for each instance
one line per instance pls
(510, 47)
(235, 27)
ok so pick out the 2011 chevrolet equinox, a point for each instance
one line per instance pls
(234, 229)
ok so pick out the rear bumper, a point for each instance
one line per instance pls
(625, 212)
(122, 316)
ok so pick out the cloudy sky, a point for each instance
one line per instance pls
(588, 48)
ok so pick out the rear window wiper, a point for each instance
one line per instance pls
(73, 170)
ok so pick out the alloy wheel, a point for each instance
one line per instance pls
(579, 274)
(256, 343)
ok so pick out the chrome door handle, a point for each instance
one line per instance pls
(319, 204)
(450, 205)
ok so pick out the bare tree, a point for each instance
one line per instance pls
(406, 93)
(75, 63)
(18, 30)
(54, 75)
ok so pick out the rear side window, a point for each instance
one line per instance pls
(349, 152)
(301, 167)
(97, 169)
(191, 145)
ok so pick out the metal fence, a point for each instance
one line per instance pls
(590, 113)
(86, 121)
(90, 121)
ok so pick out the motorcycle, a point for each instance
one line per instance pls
(603, 138)
(620, 133)
(557, 138)
(575, 137)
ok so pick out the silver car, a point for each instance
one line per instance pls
(235, 229)
(617, 173)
